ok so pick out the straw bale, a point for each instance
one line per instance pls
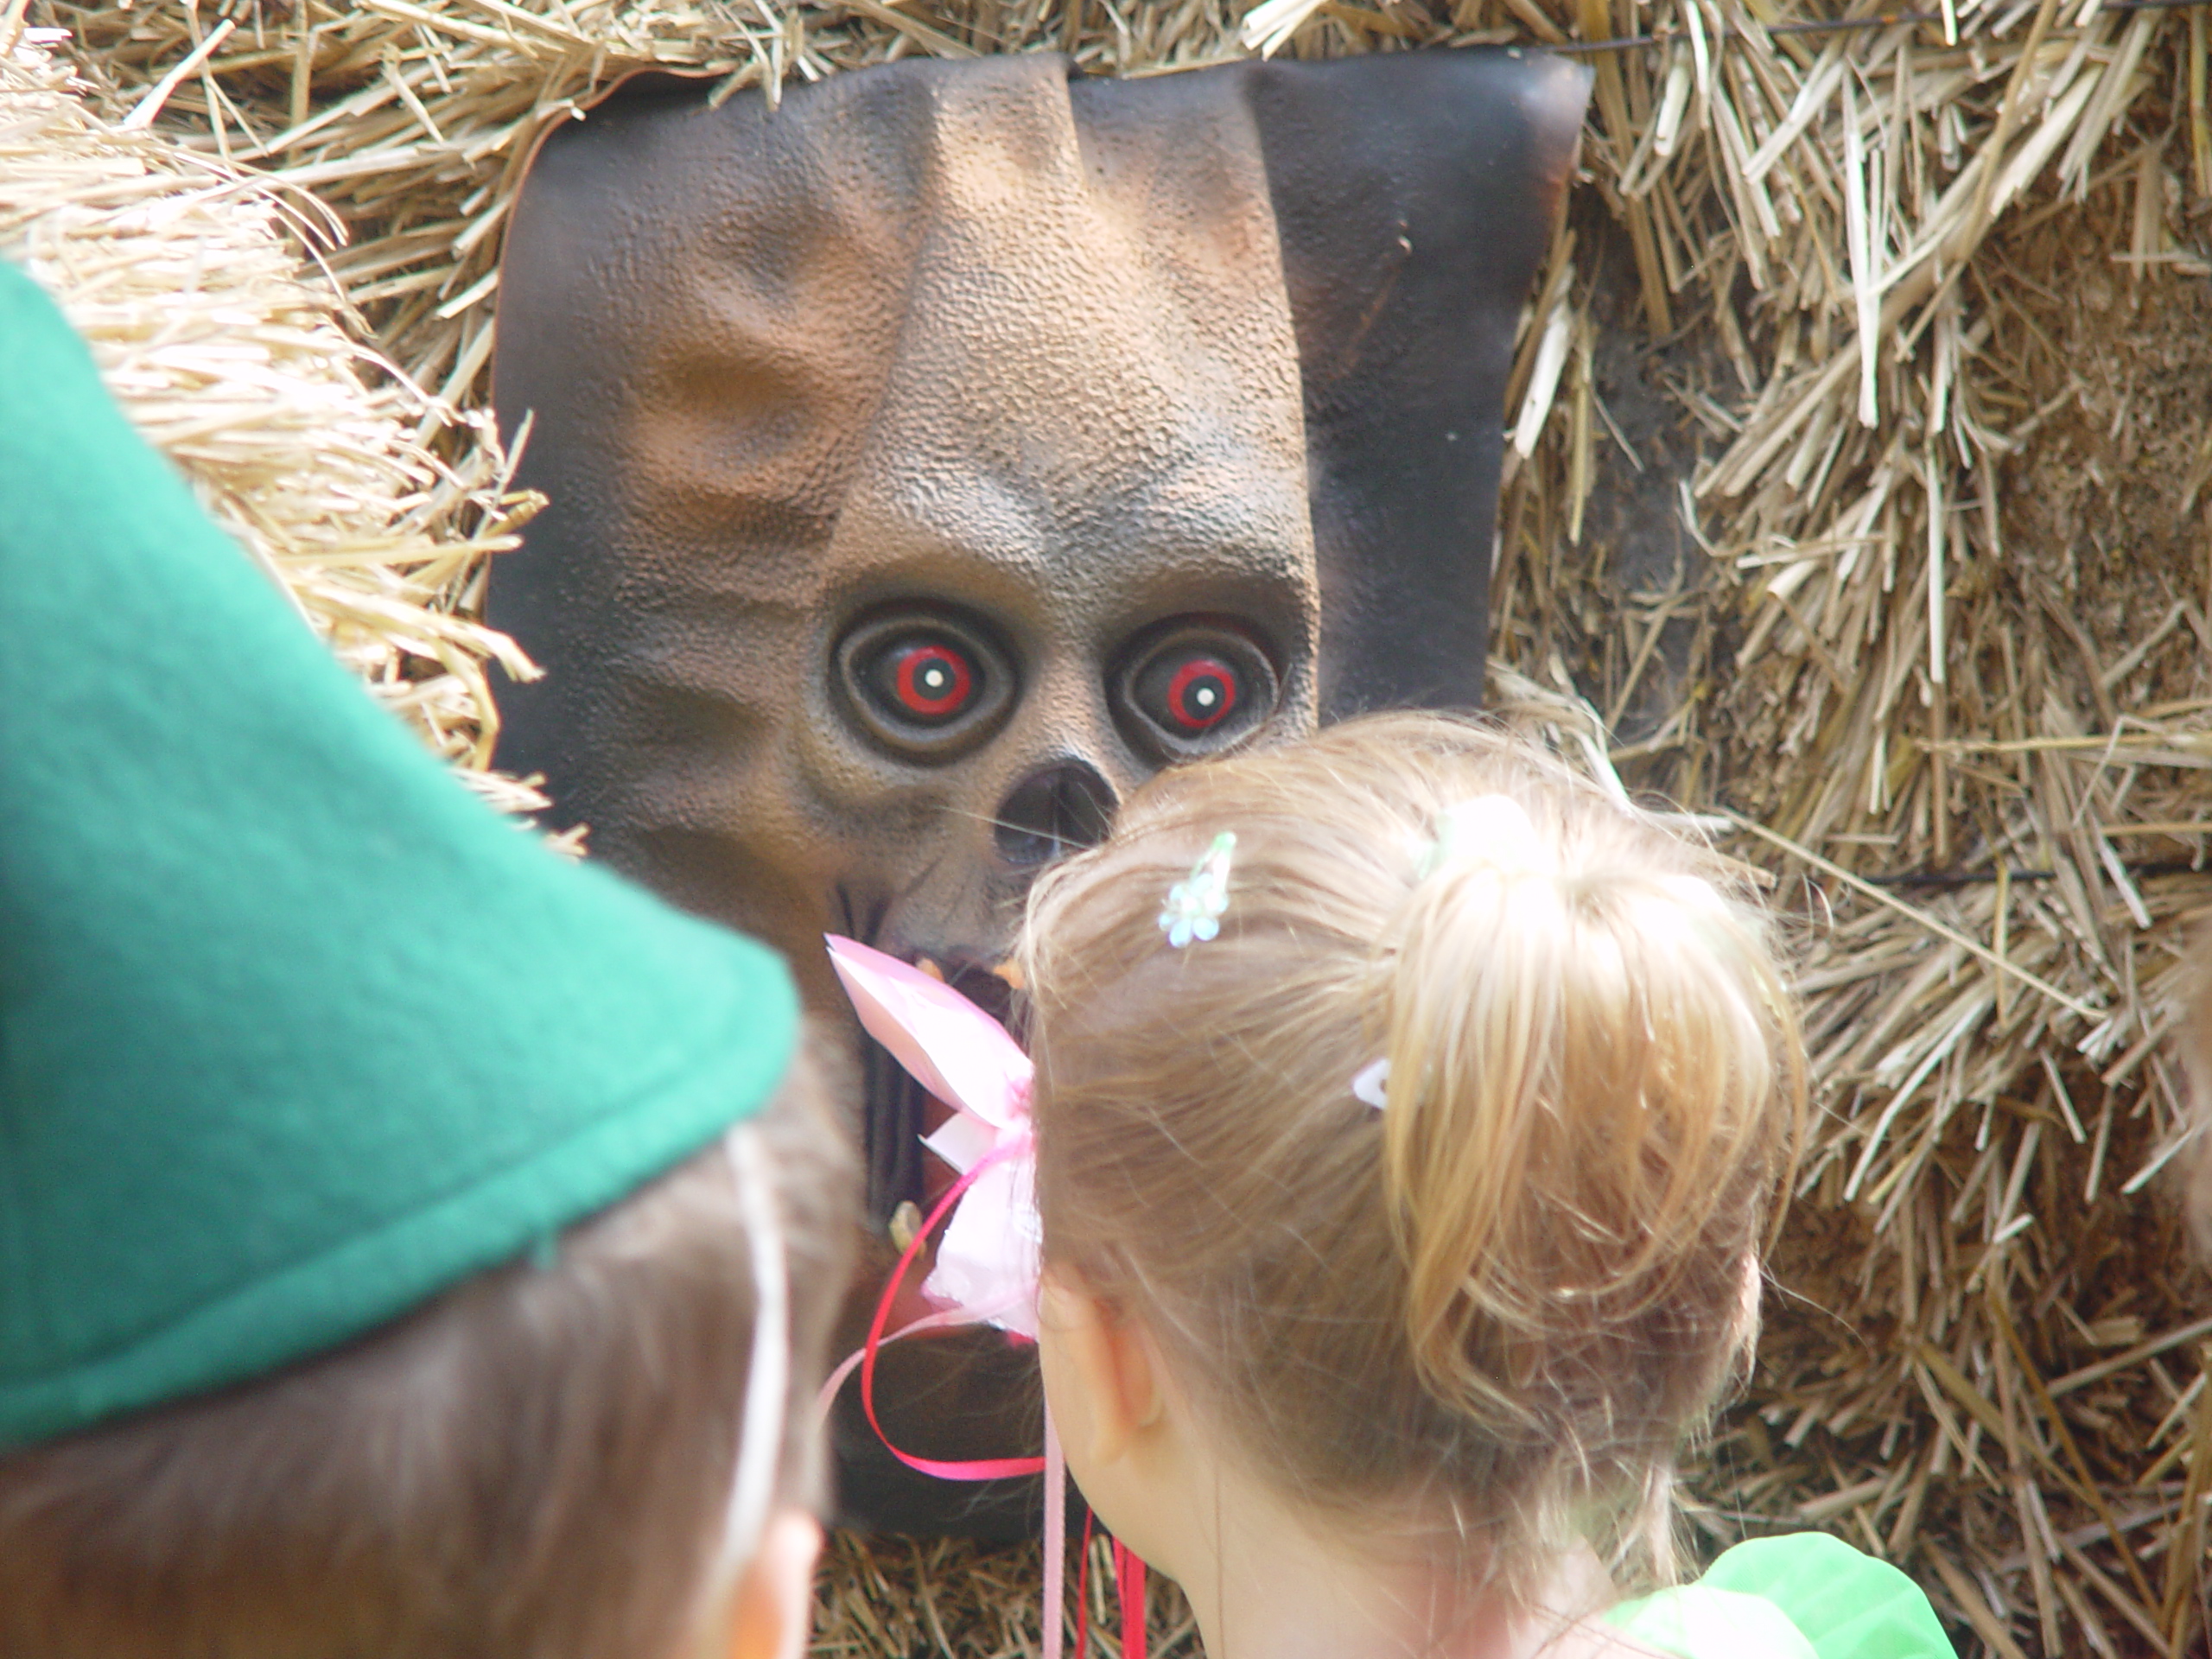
(242, 362)
(1859, 470)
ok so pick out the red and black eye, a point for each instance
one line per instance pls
(1194, 687)
(929, 680)
(925, 683)
(1200, 694)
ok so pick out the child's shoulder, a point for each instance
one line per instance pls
(1806, 1595)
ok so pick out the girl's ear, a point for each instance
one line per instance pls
(1100, 1371)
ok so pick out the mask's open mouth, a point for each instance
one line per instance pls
(907, 1179)
(901, 1172)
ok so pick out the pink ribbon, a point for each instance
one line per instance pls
(962, 1468)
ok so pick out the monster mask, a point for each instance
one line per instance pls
(933, 458)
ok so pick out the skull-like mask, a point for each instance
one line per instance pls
(936, 457)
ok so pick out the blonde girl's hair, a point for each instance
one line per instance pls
(1494, 1311)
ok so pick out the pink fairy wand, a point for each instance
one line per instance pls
(987, 1263)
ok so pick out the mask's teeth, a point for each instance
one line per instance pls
(905, 1222)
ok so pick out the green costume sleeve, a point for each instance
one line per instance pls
(294, 1032)
(1806, 1595)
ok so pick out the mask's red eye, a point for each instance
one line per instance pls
(928, 681)
(1194, 687)
(924, 684)
(1200, 694)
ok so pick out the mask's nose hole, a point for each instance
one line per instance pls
(1052, 813)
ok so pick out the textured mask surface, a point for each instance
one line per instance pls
(936, 457)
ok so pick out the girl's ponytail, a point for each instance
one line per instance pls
(1585, 1049)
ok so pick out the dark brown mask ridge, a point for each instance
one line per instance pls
(936, 458)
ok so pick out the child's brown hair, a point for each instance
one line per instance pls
(1493, 1310)
(539, 1462)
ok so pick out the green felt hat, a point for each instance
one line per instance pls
(294, 1033)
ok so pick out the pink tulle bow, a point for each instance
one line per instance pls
(987, 1263)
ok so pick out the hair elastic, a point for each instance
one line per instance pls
(1489, 829)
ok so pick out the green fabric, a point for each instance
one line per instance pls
(1806, 1595)
(294, 1032)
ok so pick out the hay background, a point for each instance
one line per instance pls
(1820, 292)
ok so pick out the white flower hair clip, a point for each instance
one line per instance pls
(1195, 904)
(1490, 830)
